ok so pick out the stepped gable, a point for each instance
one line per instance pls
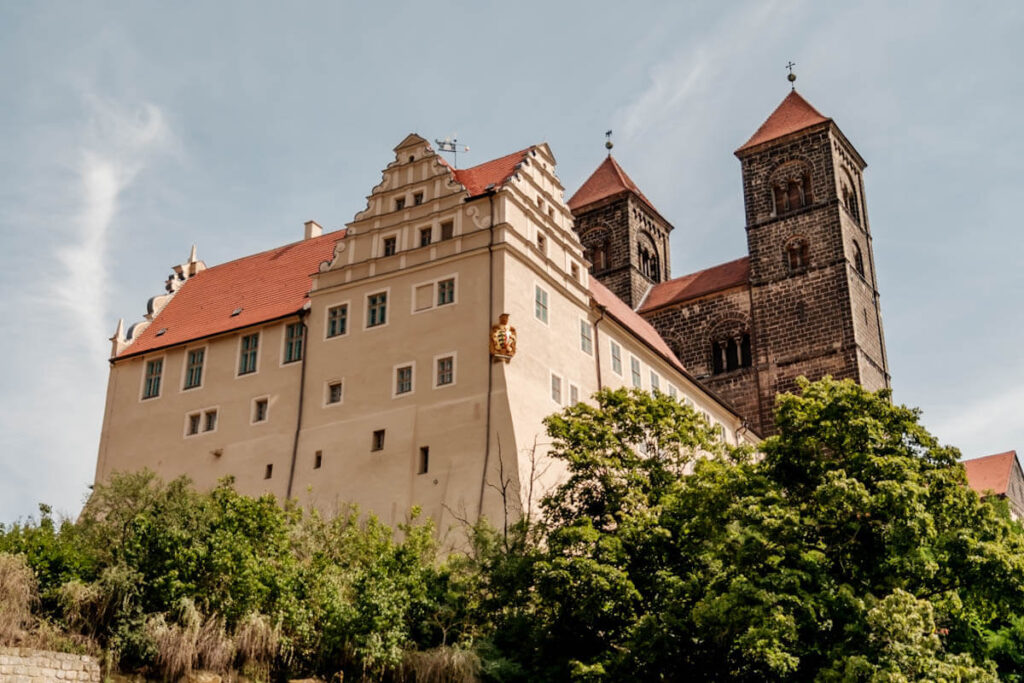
(618, 309)
(495, 172)
(265, 286)
(701, 283)
(792, 115)
(991, 473)
(607, 180)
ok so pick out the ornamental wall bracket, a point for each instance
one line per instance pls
(503, 340)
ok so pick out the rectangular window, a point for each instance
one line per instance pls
(294, 335)
(259, 410)
(425, 236)
(424, 462)
(423, 297)
(575, 270)
(318, 460)
(417, 199)
(194, 368)
(269, 472)
(247, 354)
(447, 230)
(399, 203)
(151, 387)
(445, 292)
(403, 379)
(390, 246)
(586, 337)
(540, 304)
(194, 420)
(542, 243)
(210, 420)
(616, 359)
(334, 392)
(445, 370)
(337, 320)
(376, 309)
(634, 366)
(672, 391)
(574, 394)
(377, 443)
(556, 389)
(655, 382)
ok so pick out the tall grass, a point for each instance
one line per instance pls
(17, 595)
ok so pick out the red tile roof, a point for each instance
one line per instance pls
(494, 172)
(697, 284)
(795, 113)
(266, 286)
(619, 310)
(991, 473)
(607, 181)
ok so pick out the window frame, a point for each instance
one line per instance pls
(574, 394)
(186, 367)
(327, 319)
(242, 352)
(435, 287)
(198, 416)
(327, 402)
(655, 380)
(615, 354)
(377, 444)
(636, 374)
(215, 411)
(387, 240)
(586, 336)
(286, 343)
(395, 393)
(537, 291)
(143, 395)
(556, 382)
(428, 232)
(455, 363)
(366, 308)
(441, 226)
(254, 411)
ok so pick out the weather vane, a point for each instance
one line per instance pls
(791, 76)
(451, 144)
(608, 142)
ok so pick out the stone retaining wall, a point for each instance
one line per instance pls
(24, 665)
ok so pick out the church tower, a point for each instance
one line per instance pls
(625, 238)
(813, 293)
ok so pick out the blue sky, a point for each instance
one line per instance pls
(132, 130)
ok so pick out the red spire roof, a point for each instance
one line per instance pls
(607, 181)
(494, 172)
(697, 284)
(991, 474)
(795, 113)
(265, 286)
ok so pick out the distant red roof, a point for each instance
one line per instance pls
(697, 284)
(795, 113)
(494, 172)
(265, 286)
(991, 473)
(607, 181)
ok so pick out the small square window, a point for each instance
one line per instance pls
(210, 420)
(556, 389)
(445, 370)
(417, 199)
(616, 358)
(269, 472)
(151, 386)
(194, 420)
(540, 301)
(194, 368)
(333, 392)
(377, 443)
(425, 236)
(424, 462)
(447, 230)
(294, 336)
(399, 203)
(318, 460)
(446, 292)
(247, 354)
(337, 320)
(390, 246)
(403, 379)
(259, 410)
(376, 309)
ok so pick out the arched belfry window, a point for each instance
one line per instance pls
(790, 188)
(858, 259)
(595, 249)
(730, 347)
(797, 255)
(848, 193)
(647, 258)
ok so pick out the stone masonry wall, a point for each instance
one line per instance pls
(24, 665)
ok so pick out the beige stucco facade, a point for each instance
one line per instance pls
(420, 378)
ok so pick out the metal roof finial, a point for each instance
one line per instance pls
(792, 76)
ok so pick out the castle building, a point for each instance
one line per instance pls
(802, 302)
(408, 359)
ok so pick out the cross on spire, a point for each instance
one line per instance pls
(792, 76)
(608, 142)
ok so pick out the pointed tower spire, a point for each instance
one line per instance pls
(793, 114)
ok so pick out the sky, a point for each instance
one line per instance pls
(131, 130)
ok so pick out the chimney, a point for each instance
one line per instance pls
(313, 229)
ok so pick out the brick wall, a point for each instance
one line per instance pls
(24, 665)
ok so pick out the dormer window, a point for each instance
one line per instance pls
(797, 255)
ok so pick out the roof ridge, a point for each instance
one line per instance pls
(282, 246)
